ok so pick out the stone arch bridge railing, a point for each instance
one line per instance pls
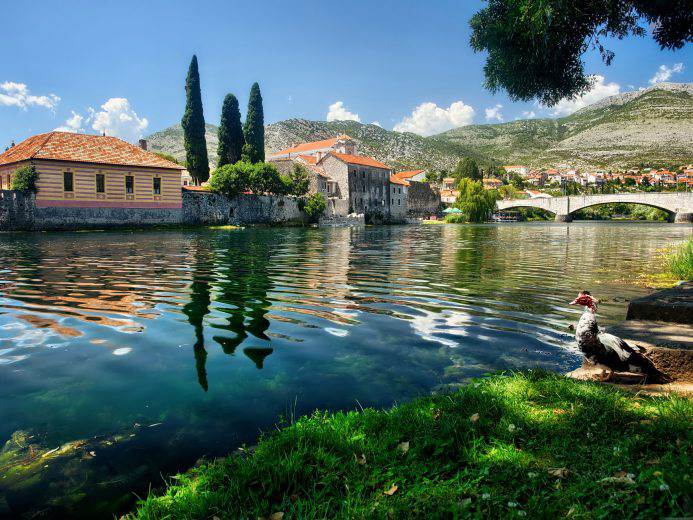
(679, 205)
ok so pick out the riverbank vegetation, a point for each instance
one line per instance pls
(533, 445)
(476, 204)
(680, 261)
(259, 178)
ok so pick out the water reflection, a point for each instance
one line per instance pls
(97, 329)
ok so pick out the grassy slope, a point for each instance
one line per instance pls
(543, 447)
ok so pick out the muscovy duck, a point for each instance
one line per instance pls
(607, 349)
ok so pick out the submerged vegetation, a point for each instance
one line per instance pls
(533, 444)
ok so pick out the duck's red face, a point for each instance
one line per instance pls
(584, 299)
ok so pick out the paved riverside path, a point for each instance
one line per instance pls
(678, 204)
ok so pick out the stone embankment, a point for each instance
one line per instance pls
(662, 324)
(19, 212)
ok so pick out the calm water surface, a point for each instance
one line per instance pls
(140, 352)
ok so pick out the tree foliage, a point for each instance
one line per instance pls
(259, 178)
(314, 206)
(467, 168)
(299, 180)
(535, 47)
(230, 132)
(193, 124)
(475, 202)
(254, 128)
(24, 179)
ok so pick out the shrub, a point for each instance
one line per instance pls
(315, 206)
(231, 179)
(681, 261)
(455, 218)
(265, 179)
(24, 179)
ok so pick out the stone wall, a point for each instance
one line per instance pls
(423, 199)
(16, 210)
(200, 207)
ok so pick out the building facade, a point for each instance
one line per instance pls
(355, 183)
(92, 172)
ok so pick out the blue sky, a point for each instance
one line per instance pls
(120, 66)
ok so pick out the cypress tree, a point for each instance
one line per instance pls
(230, 132)
(193, 124)
(254, 129)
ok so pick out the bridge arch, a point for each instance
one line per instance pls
(677, 204)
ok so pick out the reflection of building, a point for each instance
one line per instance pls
(352, 183)
(93, 171)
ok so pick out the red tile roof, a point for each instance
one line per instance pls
(315, 145)
(359, 159)
(66, 146)
(408, 175)
(394, 179)
(310, 159)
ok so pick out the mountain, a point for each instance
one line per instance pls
(170, 141)
(654, 125)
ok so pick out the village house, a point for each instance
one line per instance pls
(518, 169)
(492, 183)
(423, 199)
(351, 183)
(80, 172)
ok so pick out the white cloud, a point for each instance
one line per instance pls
(529, 114)
(377, 123)
(72, 124)
(599, 90)
(494, 113)
(429, 119)
(18, 95)
(117, 118)
(338, 112)
(664, 73)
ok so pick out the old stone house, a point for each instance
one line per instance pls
(97, 176)
(352, 183)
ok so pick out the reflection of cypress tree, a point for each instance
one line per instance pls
(197, 308)
(258, 355)
(243, 290)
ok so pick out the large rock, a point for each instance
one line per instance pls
(671, 305)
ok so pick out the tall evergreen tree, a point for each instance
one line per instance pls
(230, 132)
(254, 128)
(193, 124)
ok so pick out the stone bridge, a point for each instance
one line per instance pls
(679, 205)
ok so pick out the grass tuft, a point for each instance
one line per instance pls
(541, 446)
(681, 261)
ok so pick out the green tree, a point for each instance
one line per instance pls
(231, 179)
(645, 182)
(254, 128)
(315, 206)
(475, 202)
(265, 179)
(24, 179)
(517, 182)
(467, 169)
(299, 182)
(535, 46)
(193, 124)
(230, 132)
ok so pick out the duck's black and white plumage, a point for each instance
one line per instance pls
(609, 350)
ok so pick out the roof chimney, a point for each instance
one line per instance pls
(143, 144)
(12, 144)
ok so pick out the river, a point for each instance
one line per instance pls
(140, 352)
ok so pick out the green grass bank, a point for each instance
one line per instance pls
(532, 445)
(680, 261)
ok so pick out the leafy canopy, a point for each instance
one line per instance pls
(260, 178)
(24, 179)
(475, 202)
(535, 47)
(315, 206)
(467, 168)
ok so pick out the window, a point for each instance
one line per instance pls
(68, 181)
(129, 184)
(157, 185)
(100, 183)
(399, 202)
(400, 190)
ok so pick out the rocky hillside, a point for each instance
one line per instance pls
(654, 125)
